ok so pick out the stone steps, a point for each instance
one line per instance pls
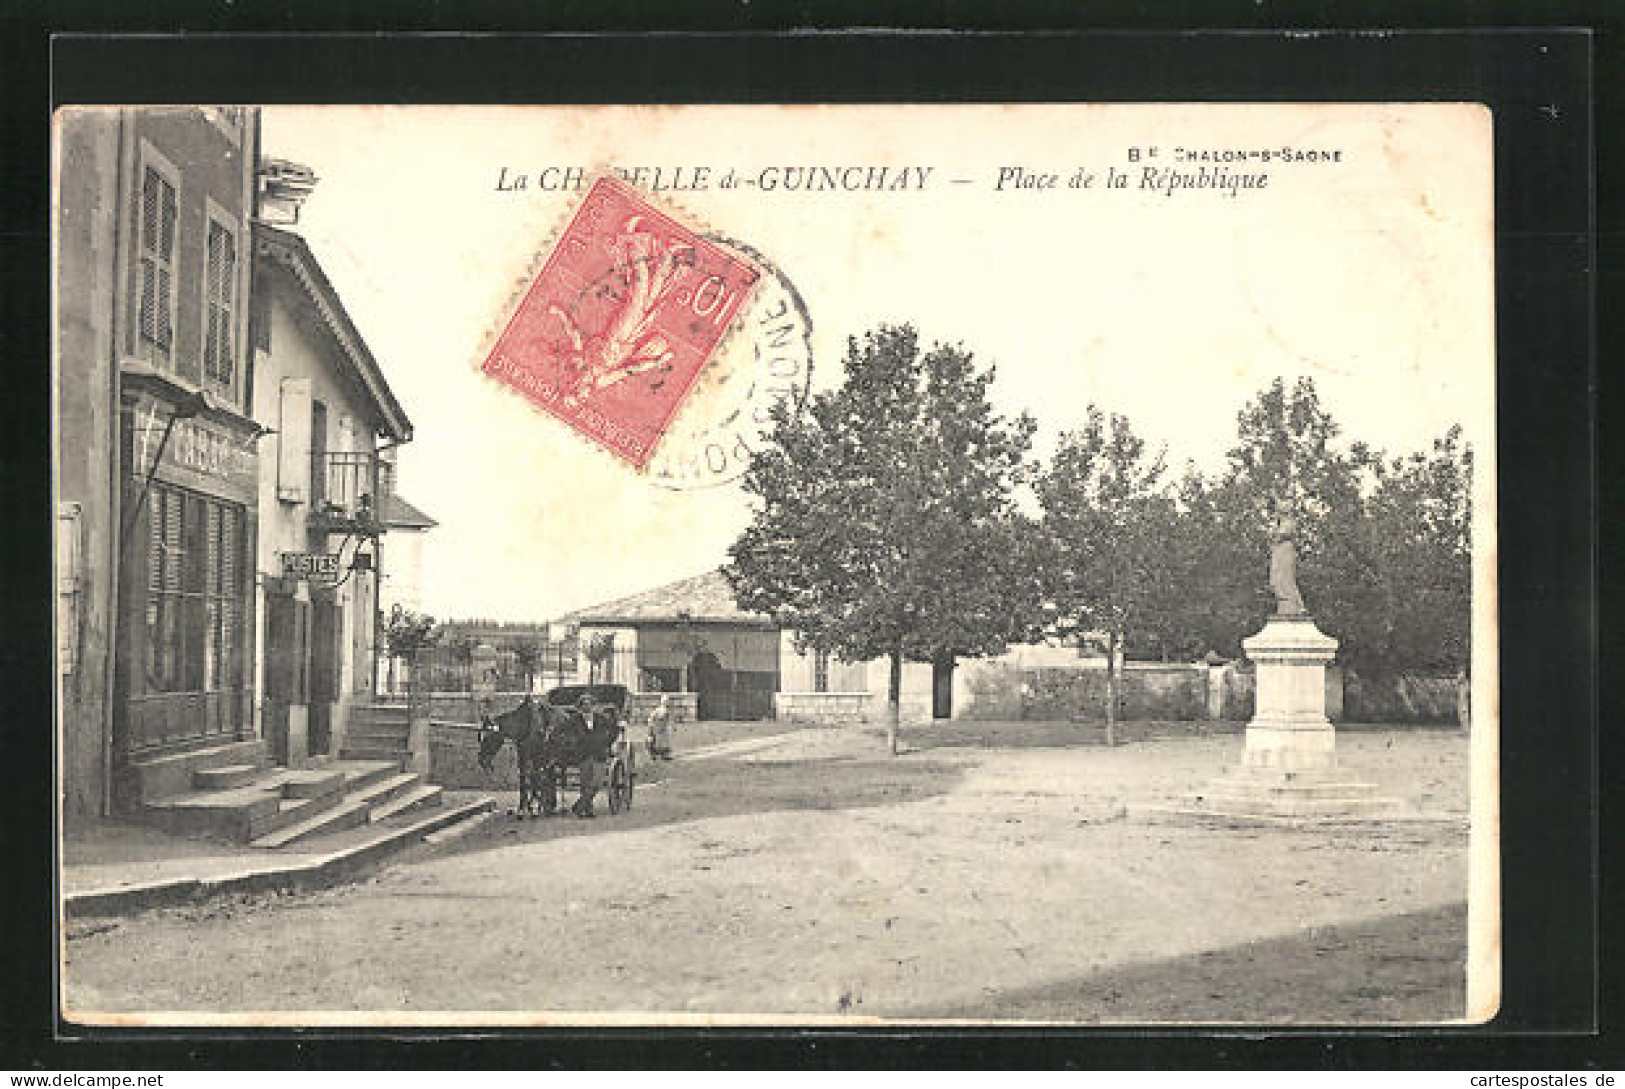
(398, 757)
(421, 797)
(224, 777)
(281, 806)
(154, 777)
(351, 814)
(372, 802)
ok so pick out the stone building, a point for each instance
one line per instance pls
(217, 474)
(156, 450)
(691, 636)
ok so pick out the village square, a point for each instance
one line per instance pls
(955, 714)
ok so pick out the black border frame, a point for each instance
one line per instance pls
(1538, 81)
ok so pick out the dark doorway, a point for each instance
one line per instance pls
(326, 639)
(709, 682)
(942, 689)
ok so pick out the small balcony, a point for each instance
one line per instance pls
(347, 491)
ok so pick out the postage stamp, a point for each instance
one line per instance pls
(623, 317)
(729, 410)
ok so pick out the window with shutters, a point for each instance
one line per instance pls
(220, 304)
(821, 671)
(194, 608)
(156, 226)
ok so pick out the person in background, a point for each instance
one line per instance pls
(660, 730)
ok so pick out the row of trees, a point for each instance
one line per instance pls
(900, 516)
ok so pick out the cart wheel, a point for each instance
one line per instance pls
(620, 787)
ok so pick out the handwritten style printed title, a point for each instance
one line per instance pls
(1166, 170)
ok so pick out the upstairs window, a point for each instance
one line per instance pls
(155, 274)
(220, 305)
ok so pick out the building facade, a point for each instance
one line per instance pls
(196, 353)
(324, 494)
(156, 448)
(692, 636)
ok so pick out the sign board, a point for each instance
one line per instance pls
(317, 566)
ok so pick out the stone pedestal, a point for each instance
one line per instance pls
(1290, 730)
(1288, 769)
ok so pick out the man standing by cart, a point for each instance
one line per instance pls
(600, 725)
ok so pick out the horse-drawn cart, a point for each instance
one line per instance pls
(572, 726)
(620, 765)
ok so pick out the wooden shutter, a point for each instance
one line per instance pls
(219, 305)
(293, 442)
(155, 311)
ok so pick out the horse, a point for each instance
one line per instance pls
(530, 726)
(546, 740)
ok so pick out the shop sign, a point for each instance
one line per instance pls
(316, 566)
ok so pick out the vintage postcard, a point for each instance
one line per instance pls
(776, 565)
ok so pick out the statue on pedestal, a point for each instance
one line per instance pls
(1284, 568)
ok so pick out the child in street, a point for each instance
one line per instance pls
(660, 730)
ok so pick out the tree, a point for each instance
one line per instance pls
(885, 522)
(462, 647)
(1287, 461)
(1417, 538)
(1108, 520)
(527, 655)
(599, 648)
(406, 634)
(1383, 544)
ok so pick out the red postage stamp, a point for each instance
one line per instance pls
(622, 318)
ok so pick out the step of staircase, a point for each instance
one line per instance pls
(350, 814)
(153, 778)
(375, 801)
(313, 783)
(420, 797)
(398, 757)
(380, 712)
(371, 737)
(388, 789)
(224, 777)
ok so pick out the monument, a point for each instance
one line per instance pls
(1288, 768)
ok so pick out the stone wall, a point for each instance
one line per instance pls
(684, 707)
(1172, 692)
(1431, 700)
(822, 708)
(454, 749)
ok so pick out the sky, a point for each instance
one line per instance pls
(1372, 273)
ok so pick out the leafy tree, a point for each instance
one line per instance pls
(885, 522)
(1417, 538)
(598, 651)
(461, 645)
(407, 634)
(527, 655)
(1383, 544)
(1108, 519)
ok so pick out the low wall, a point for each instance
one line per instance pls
(1171, 693)
(684, 707)
(822, 708)
(1403, 699)
(454, 749)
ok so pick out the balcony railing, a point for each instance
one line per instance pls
(347, 491)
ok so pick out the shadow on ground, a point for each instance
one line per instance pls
(689, 790)
(1399, 969)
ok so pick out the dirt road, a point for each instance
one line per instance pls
(993, 871)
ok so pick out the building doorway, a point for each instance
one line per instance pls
(709, 682)
(326, 643)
